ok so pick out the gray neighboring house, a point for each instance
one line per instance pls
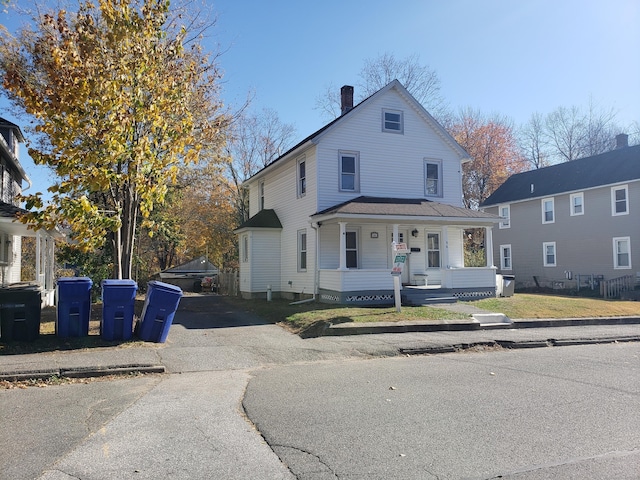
(11, 231)
(571, 224)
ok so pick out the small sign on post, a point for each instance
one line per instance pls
(400, 252)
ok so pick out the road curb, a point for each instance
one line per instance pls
(80, 372)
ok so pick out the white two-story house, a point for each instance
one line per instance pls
(11, 230)
(324, 215)
(572, 224)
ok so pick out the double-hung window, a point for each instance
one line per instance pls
(622, 253)
(505, 213)
(577, 204)
(261, 195)
(349, 171)
(244, 254)
(548, 213)
(302, 250)
(549, 254)
(620, 200)
(302, 177)
(352, 249)
(433, 178)
(392, 121)
(505, 257)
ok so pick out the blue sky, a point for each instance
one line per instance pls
(499, 56)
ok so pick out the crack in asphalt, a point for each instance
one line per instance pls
(572, 461)
(325, 467)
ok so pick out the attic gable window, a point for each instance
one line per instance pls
(261, 195)
(392, 121)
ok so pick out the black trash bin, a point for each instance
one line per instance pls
(74, 306)
(20, 308)
(160, 307)
(118, 304)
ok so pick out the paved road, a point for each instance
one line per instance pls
(190, 422)
(565, 413)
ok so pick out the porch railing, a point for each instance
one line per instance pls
(614, 287)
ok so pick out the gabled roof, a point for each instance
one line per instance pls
(16, 129)
(620, 165)
(411, 208)
(197, 265)
(395, 84)
(263, 219)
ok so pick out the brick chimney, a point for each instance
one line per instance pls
(622, 140)
(346, 98)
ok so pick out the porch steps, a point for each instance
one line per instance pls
(417, 297)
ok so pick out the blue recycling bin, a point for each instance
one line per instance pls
(118, 304)
(20, 306)
(73, 306)
(160, 307)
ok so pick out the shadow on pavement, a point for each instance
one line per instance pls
(214, 311)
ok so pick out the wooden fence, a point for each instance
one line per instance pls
(228, 283)
(614, 287)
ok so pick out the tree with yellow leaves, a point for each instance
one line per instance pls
(121, 102)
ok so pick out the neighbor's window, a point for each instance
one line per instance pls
(505, 213)
(261, 195)
(577, 204)
(622, 252)
(433, 177)
(548, 210)
(352, 249)
(505, 257)
(620, 200)
(392, 121)
(549, 252)
(302, 250)
(349, 171)
(302, 177)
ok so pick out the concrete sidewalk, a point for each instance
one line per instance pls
(206, 335)
(190, 423)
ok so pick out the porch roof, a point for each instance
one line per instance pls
(10, 224)
(405, 209)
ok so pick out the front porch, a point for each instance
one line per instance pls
(375, 286)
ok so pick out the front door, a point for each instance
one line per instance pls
(434, 252)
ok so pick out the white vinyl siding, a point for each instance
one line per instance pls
(577, 204)
(505, 257)
(622, 253)
(620, 200)
(505, 213)
(388, 163)
(549, 254)
(548, 210)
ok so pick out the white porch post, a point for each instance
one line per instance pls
(38, 257)
(343, 245)
(488, 240)
(445, 247)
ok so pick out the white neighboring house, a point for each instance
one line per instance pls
(323, 216)
(12, 231)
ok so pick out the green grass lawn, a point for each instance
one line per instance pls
(525, 305)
